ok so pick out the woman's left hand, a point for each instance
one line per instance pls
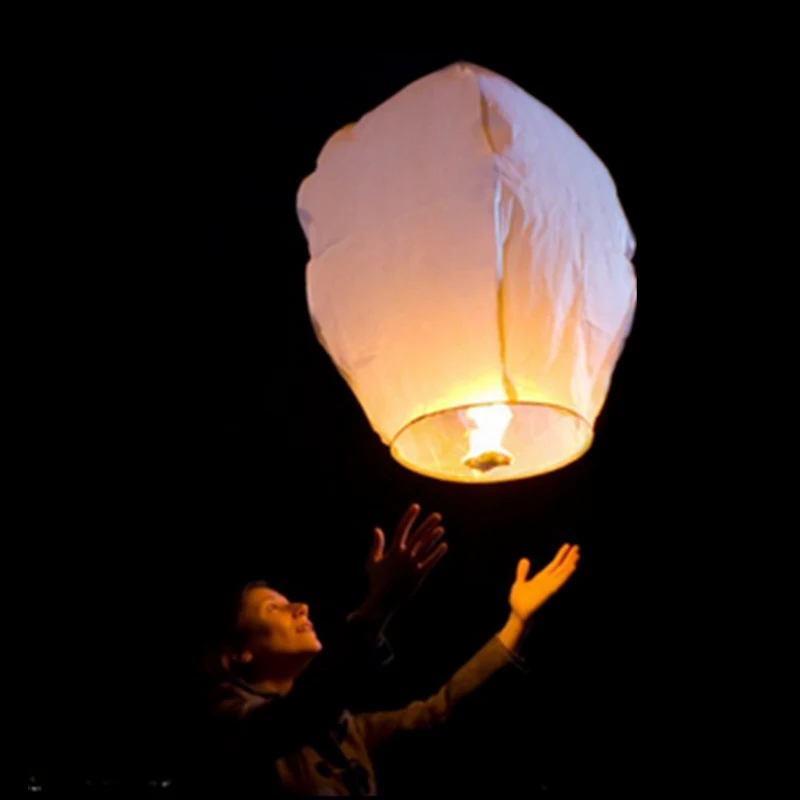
(527, 596)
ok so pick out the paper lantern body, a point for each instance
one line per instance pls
(470, 276)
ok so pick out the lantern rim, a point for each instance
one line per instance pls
(572, 457)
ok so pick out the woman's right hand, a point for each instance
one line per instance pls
(396, 573)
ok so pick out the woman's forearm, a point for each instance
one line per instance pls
(513, 633)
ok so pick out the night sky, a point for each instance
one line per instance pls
(197, 430)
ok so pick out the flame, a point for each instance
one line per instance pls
(486, 427)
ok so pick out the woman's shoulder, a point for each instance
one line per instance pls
(227, 698)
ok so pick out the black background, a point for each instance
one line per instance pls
(199, 430)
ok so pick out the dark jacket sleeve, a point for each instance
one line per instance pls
(244, 721)
(376, 727)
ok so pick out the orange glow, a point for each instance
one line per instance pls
(486, 427)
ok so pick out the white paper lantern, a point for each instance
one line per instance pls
(470, 276)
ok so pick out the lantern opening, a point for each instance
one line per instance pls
(486, 426)
(490, 443)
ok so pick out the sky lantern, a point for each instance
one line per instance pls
(470, 276)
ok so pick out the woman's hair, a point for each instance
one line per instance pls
(223, 629)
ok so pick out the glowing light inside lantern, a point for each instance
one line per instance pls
(486, 426)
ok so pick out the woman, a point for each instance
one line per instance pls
(277, 716)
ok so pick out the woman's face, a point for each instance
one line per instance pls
(275, 627)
